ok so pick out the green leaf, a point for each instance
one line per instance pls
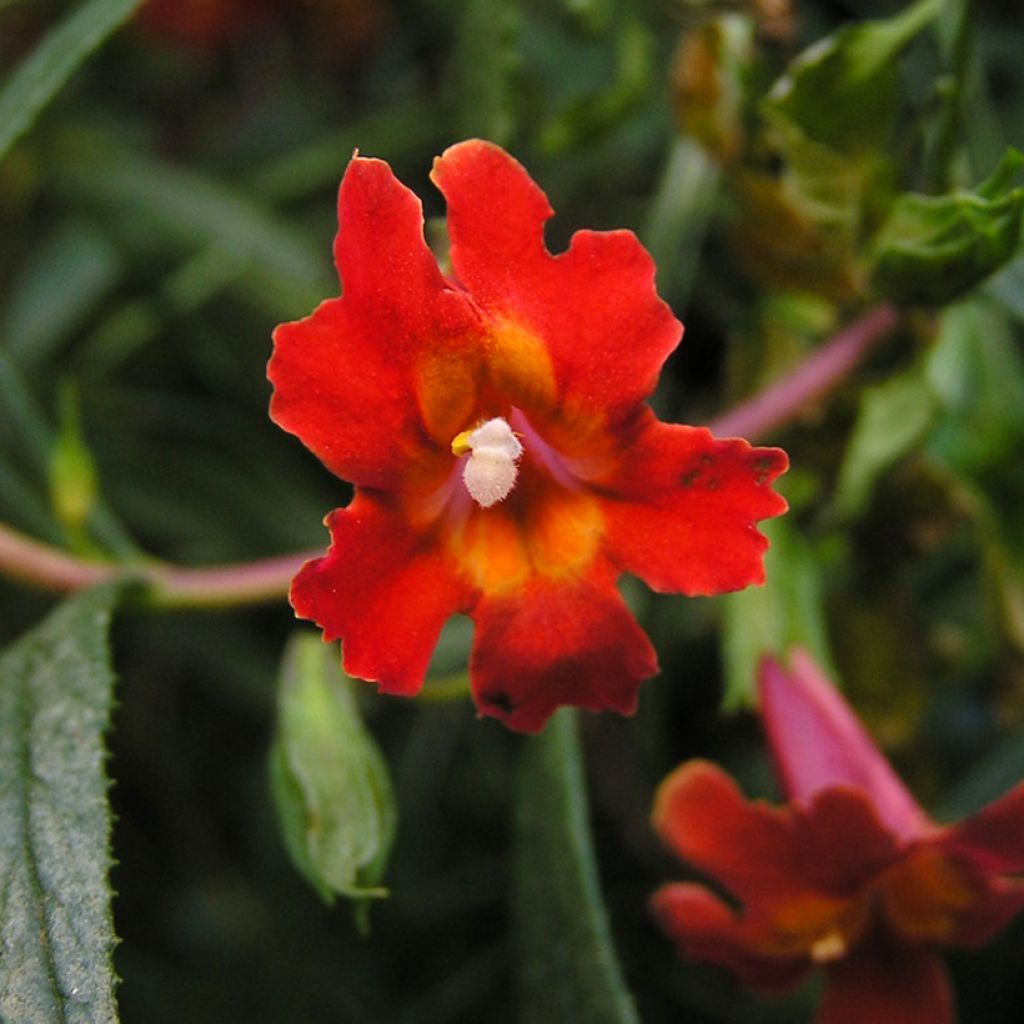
(893, 417)
(787, 611)
(56, 929)
(54, 61)
(63, 280)
(997, 773)
(330, 783)
(840, 91)
(487, 63)
(568, 968)
(976, 373)
(193, 209)
(933, 249)
(589, 116)
(679, 216)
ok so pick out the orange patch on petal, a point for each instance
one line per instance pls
(491, 550)
(447, 386)
(564, 534)
(519, 367)
(547, 533)
(924, 895)
(823, 927)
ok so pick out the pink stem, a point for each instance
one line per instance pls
(816, 376)
(48, 568)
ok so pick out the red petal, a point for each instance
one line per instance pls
(887, 983)
(704, 928)
(594, 306)
(555, 643)
(995, 902)
(344, 377)
(768, 857)
(817, 742)
(994, 837)
(684, 505)
(385, 590)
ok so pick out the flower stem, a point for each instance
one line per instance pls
(167, 586)
(822, 371)
(164, 586)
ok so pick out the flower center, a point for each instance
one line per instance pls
(492, 467)
(830, 947)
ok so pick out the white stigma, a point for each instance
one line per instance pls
(491, 470)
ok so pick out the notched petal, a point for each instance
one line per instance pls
(682, 508)
(385, 590)
(554, 644)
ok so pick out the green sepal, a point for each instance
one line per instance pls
(933, 249)
(330, 783)
(72, 471)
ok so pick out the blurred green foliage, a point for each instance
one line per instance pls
(167, 203)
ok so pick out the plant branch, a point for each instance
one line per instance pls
(819, 374)
(168, 586)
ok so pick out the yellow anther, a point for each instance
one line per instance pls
(460, 443)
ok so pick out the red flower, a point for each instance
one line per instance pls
(505, 463)
(851, 875)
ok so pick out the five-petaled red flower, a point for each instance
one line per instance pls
(506, 465)
(851, 875)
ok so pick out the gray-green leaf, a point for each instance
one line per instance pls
(54, 61)
(56, 930)
(568, 968)
(330, 783)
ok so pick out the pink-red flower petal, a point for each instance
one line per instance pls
(705, 928)
(994, 837)
(681, 509)
(344, 378)
(561, 642)
(383, 588)
(817, 742)
(885, 982)
(595, 305)
(765, 856)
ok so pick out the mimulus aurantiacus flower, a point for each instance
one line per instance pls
(505, 463)
(851, 876)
